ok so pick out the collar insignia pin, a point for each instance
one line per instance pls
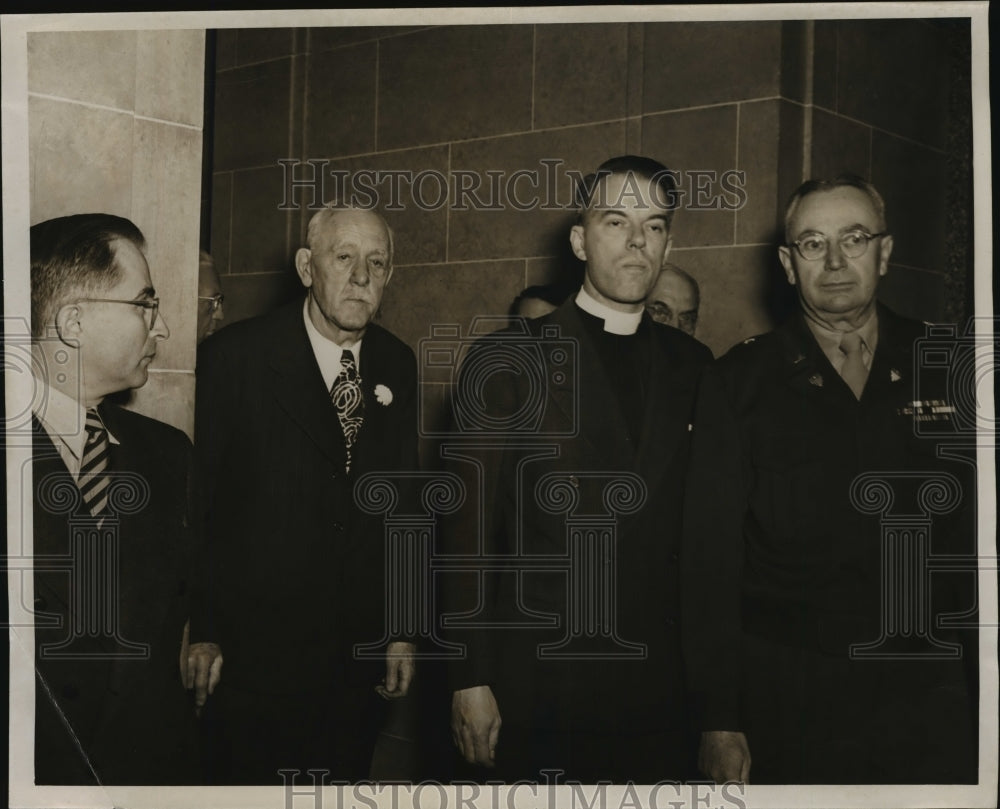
(816, 380)
(894, 375)
(798, 359)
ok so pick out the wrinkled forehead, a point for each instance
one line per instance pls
(671, 288)
(360, 228)
(834, 209)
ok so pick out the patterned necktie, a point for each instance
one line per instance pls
(94, 479)
(350, 404)
(853, 372)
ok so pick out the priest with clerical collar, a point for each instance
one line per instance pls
(583, 663)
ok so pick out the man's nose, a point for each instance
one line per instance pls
(160, 328)
(359, 274)
(218, 314)
(834, 255)
(637, 237)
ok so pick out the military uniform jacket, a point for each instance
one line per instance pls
(776, 544)
(544, 498)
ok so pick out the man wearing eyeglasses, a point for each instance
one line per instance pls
(111, 543)
(674, 299)
(795, 646)
(210, 297)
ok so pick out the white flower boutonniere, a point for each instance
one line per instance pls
(383, 395)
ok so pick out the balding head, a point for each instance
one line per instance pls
(674, 299)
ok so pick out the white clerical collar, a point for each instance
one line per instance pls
(615, 322)
(327, 352)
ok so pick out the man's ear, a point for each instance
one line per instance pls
(68, 325)
(785, 255)
(576, 240)
(885, 250)
(302, 266)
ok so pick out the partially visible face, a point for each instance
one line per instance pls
(672, 302)
(346, 273)
(116, 344)
(208, 287)
(836, 288)
(624, 239)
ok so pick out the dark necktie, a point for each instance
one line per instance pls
(350, 403)
(94, 479)
(854, 372)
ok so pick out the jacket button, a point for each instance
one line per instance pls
(574, 482)
(338, 526)
(70, 691)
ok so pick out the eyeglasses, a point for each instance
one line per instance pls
(853, 244)
(151, 305)
(216, 300)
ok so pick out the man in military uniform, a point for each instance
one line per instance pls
(791, 639)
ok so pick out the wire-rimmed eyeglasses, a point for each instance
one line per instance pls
(216, 301)
(853, 244)
(151, 305)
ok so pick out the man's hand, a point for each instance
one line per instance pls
(399, 670)
(201, 669)
(475, 724)
(724, 756)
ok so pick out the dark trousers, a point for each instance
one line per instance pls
(812, 718)
(251, 736)
(619, 756)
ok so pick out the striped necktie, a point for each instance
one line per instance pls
(853, 371)
(349, 401)
(94, 479)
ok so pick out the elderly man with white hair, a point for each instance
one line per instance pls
(292, 409)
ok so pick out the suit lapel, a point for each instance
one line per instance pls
(892, 364)
(375, 371)
(299, 388)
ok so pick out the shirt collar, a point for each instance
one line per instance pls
(829, 339)
(64, 418)
(328, 353)
(615, 322)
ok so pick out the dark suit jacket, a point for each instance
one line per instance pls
(295, 573)
(130, 717)
(582, 442)
(774, 544)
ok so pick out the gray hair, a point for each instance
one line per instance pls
(842, 181)
(322, 218)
